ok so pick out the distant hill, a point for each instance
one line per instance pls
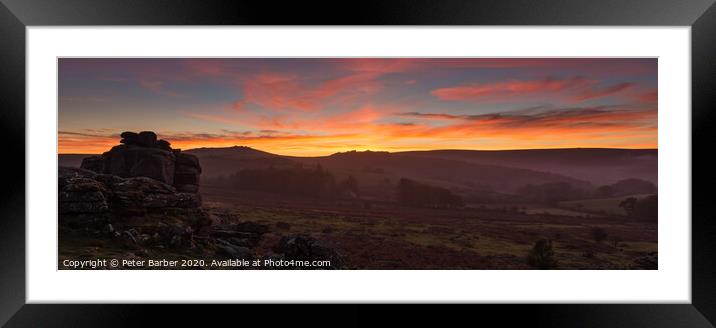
(467, 171)
(71, 160)
(226, 161)
(373, 168)
(597, 165)
(238, 152)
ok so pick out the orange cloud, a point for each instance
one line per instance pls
(367, 127)
(85, 143)
(523, 128)
(357, 120)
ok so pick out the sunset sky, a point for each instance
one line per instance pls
(320, 106)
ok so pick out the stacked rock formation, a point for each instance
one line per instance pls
(141, 187)
(142, 155)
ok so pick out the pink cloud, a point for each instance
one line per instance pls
(157, 87)
(357, 120)
(648, 97)
(509, 89)
(214, 118)
(553, 122)
(288, 92)
(590, 93)
(205, 67)
(591, 66)
(574, 89)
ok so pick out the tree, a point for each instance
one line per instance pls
(541, 256)
(615, 240)
(647, 208)
(605, 191)
(629, 204)
(598, 234)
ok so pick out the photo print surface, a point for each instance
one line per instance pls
(357, 163)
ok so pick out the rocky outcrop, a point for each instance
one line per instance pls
(79, 193)
(305, 248)
(142, 196)
(244, 234)
(146, 206)
(647, 262)
(186, 172)
(142, 155)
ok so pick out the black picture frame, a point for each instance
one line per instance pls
(16, 15)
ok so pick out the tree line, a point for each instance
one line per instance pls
(550, 193)
(646, 208)
(553, 192)
(626, 187)
(296, 180)
(320, 183)
(412, 193)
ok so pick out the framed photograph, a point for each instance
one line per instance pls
(503, 153)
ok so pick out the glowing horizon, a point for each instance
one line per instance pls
(319, 153)
(320, 106)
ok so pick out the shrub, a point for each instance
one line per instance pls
(615, 240)
(542, 255)
(283, 225)
(598, 234)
